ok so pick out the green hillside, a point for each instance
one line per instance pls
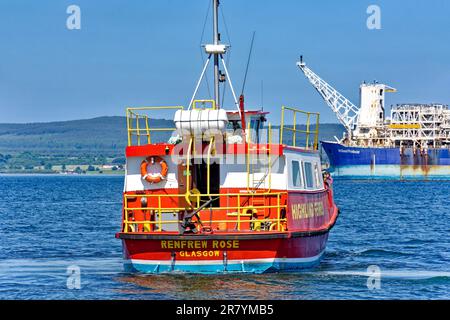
(98, 141)
(45, 147)
(99, 136)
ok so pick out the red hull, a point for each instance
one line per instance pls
(227, 252)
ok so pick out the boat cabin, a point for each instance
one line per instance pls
(211, 169)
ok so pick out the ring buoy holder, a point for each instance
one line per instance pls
(154, 177)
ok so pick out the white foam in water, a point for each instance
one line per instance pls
(395, 274)
(16, 267)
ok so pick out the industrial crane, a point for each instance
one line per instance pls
(360, 122)
(346, 112)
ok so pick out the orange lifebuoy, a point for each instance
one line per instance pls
(154, 177)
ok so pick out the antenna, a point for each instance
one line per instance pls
(262, 95)
(248, 62)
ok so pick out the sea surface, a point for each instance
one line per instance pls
(391, 241)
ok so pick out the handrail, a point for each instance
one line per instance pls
(294, 129)
(236, 211)
(133, 123)
(208, 172)
(188, 173)
(203, 102)
(248, 139)
(269, 157)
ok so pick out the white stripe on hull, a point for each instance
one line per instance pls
(207, 262)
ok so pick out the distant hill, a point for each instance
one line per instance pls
(103, 136)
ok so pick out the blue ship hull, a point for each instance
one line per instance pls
(385, 163)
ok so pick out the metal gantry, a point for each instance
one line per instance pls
(419, 125)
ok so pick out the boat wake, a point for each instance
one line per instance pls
(24, 267)
(394, 274)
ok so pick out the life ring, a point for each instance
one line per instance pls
(154, 177)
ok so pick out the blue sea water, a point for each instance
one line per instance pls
(50, 223)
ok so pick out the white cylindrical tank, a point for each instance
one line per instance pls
(200, 121)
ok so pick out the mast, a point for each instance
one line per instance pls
(216, 50)
(216, 55)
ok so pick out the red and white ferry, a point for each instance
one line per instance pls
(225, 193)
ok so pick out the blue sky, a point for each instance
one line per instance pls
(131, 53)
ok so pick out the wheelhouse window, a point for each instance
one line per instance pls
(309, 175)
(256, 126)
(296, 176)
(318, 175)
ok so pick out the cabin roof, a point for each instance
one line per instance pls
(249, 112)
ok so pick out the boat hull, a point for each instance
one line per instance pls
(224, 254)
(387, 163)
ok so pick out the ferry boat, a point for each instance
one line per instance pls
(221, 195)
(413, 143)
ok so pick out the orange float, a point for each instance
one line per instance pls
(153, 177)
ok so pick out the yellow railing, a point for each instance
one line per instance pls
(204, 103)
(259, 149)
(138, 126)
(293, 129)
(233, 214)
(208, 164)
(188, 171)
